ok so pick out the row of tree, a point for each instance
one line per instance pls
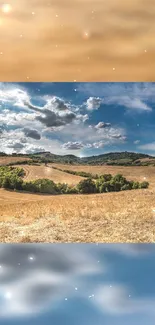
(12, 178)
(79, 173)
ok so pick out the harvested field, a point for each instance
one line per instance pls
(137, 173)
(9, 160)
(38, 172)
(125, 216)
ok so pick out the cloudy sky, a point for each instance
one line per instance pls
(77, 118)
(86, 40)
(77, 284)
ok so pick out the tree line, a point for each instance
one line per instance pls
(12, 178)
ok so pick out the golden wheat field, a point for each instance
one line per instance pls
(125, 216)
(38, 172)
(8, 160)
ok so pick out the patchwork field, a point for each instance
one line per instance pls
(125, 216)
(137, 173)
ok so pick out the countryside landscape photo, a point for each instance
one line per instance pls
(77, 162)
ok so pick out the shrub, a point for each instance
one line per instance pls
(106, 187)
(120, 178)
(144, 185)
(106, 177)
(126, 187)
(62, 188)
(86, 186)
(41, 186)
(135, 185)
(72, 190)
(10, 177)
(117, 185)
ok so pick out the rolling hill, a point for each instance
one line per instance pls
(112, 158)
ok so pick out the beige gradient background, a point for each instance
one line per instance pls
(82, 40)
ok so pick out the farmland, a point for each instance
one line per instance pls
(38, 172)
(126, 216)
(8, 160)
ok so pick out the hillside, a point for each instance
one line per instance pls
(125, 216)
(112, 158)
(40, 172)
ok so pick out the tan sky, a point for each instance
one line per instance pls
(83, 40)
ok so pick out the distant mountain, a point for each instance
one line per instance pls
(113, 158)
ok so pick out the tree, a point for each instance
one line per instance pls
(135, 185)
(126, 187)
(62, 188)
(106, 177)
(86, 186)
(120, 178)
(144, 185)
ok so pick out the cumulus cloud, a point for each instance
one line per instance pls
(133, 96)
(93, 103)
(17, 146)
(52, 119)
(14, 141)
(56, 118)
(11, 94)
(73, 145)
(30, 133)
(57, 103)
(89, 134)
(101, 125)
(55, 113)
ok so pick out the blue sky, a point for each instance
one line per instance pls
(77, 118)
(77, 284)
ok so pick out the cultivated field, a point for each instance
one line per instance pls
(9, 160)
(125, 216)
(38, 172)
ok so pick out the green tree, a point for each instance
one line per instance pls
(135, 185)
(144, 185)
(86, 186)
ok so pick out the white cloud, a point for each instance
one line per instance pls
(101, 125)
(57, 118)
(11, 94)
(73, 145)
(136, 141)
(56, 112)
(148, 146)
(133, 96)
(93, 103)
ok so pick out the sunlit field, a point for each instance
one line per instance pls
(126, 216)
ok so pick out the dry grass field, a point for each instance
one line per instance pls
(125, 216)
(38, 172)
(8, 160)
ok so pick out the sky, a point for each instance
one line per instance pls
(83, 119)
(83, 40)
(77, 284)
